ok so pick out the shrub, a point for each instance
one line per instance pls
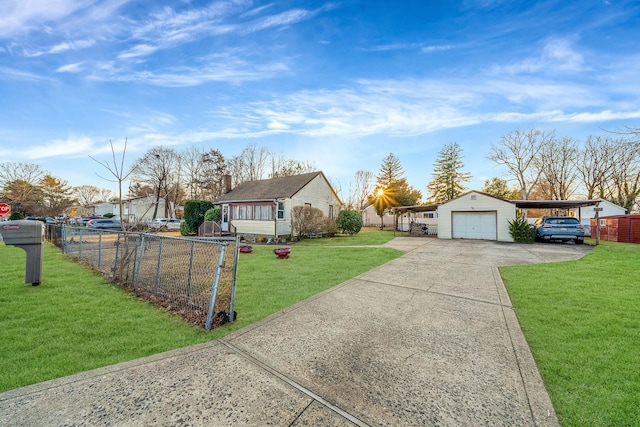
(212, 214)
(521, 231)
(108, 215)
(194, 211)
(16, 215)
(329, 227)
(306, 220)
(349, 221)
(185, 230)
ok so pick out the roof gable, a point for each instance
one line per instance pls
(479, 193)
(269, 189)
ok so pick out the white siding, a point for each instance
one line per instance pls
(318, 194)
(477, 202)
(245, 226)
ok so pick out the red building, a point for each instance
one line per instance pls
(618, 228)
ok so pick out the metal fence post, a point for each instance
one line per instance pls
(214, 288)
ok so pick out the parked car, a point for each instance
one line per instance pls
(563, 228)
(104, 223)
(45, 219)
(85, 220)
(165, 224)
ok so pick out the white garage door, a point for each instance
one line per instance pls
(474, 225)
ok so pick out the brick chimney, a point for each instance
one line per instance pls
(226, 182)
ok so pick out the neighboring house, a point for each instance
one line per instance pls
(476, 215)
(263, 208)
(586, 213)
(136, 209)
(370, 217)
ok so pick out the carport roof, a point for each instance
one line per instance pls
(550, 204)
(416, 208)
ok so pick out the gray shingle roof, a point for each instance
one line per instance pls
(268, 189)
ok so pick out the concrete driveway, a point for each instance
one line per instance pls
(427, 339)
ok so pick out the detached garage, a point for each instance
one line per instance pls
(476, 215)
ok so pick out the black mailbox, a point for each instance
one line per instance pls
(27, 235)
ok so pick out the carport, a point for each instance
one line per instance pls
(556, 204)
(413, 223)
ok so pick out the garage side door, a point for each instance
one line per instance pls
(474, 225)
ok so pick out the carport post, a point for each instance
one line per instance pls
(597, 221)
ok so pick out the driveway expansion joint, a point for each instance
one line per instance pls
(315, 397)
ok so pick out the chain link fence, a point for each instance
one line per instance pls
(193, 277)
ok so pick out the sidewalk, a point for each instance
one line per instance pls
(427, 339)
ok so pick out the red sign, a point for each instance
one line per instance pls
(4, 208)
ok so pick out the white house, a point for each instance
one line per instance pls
(476, 215)
(370, 217)
(263, 207)
(136, 209)
(586, 213)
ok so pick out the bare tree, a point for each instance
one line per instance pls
(86, 195)
(558, 165)
(283, 166)
(623, 187)
(250, 165)
(192, 171)
(364, 182)
(518, 151)
(117, 171)
(27, 172)
(595, 164)
(158, 168)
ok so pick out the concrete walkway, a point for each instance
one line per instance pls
(427, 339)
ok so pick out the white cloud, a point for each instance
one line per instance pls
(557, 54)
(71, 68)
(21, 16)
(70, 147)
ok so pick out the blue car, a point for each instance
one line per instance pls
(564, 228)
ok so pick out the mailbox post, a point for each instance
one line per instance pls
(27, 235)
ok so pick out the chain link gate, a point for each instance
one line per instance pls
(193, 277)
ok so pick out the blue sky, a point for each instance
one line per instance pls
(340, 83)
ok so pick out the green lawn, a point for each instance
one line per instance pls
(76, 321)
(368, 236)
(582, 322)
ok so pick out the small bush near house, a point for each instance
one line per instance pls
(349, 221)
(194, 211)
(15, 216)
(185, 230)
(212, 214)
(329, 229)
(108, 215)
(521, 231)
(306, 220)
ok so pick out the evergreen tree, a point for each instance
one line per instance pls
(448, 179)
(499, 187)
(390, 171)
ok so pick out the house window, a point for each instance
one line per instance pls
(253, 212)
(280, 210)
(265, 212)
(242, 212)
(331, 211)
